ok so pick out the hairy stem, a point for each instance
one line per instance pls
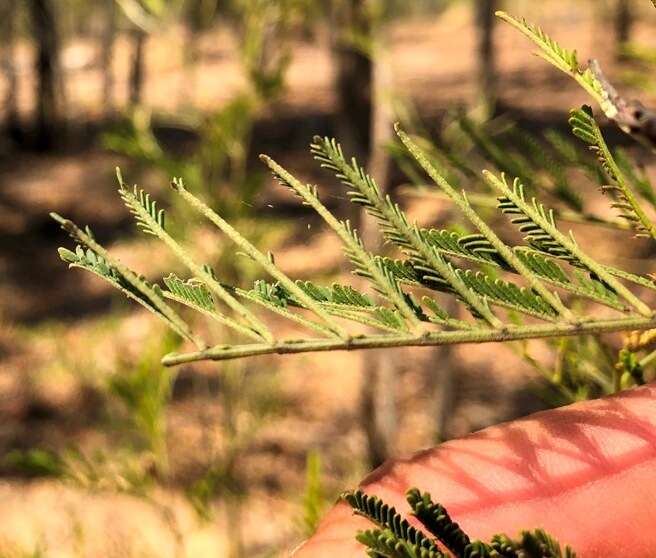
(227, 352)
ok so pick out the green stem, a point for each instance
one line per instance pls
(506, 253)
(353, 247)
(212, 284)
(599, 270)
(172, 317)
(260, 258)
(647, 359)
(552, 57)
(226, 352)
(620, 180)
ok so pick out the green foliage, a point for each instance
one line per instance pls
(15, 551)
(431, 262)
(396, 538)
(585, 127)
(216, 167)
(313, 498)
(396, 529)
(35, 463)
(144, 392)
(563, 59)
(546, 285)
(97, 260)
(436, 519)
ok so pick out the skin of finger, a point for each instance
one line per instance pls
(586, 473)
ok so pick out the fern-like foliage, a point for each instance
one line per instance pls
(192, 293)
(504, 291)
(585, 127)
(630, 116)
(394, 537)
(485, 274)
(437, 520)
(396, 529)
(138, 201)
(562, 58)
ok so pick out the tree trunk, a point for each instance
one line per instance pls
(46, 64)
(107, 39)
(137, 70)
(487, 76)
(443, 386)
(353, 79)
(8, 67)
(623, 25)
(378, 395)
(195, 21)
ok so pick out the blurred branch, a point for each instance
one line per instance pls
(632, 116)
(139, 16)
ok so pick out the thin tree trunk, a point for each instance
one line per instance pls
(443, 384)
(378, 395)
(107, 40)
(46, 64)
(487, 75)
(137, 70)
(378, 406)
(364, 127)
(195, 20)
(623, 25)
(8, 68)
(353, 79)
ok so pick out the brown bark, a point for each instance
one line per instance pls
(353, 79)
(8, 67)
(107, 40)
(137, 68)
(46, 66)
(378, 394)
(623, 25)
(487, 75)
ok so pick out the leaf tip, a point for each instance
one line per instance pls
(119, 177)
(57, 217)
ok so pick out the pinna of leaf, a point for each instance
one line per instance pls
(394, 537)
(550, 263)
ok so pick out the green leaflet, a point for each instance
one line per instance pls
(394, 537)
(96, 264)
(535, 233)
(338, 300)
(585, 127)
(437, 520)
(140, 198)
(564, 59)
(191, 291)
(386, 517)
(462, 266)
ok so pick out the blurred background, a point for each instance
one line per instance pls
(103, 452)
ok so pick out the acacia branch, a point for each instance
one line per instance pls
(428, 339)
